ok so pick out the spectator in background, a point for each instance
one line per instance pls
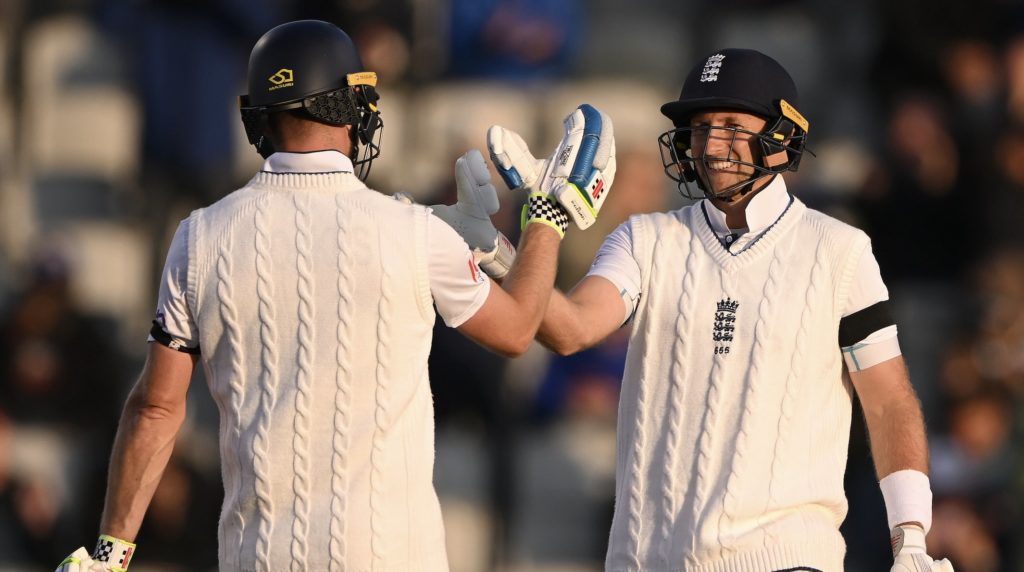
(57, 365)
(513, 39)
(960, 531)
(912, 202)
(187, 59)
(60, 383)
(1003, 192)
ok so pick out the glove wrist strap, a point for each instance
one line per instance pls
(113, 551)
(540, 208)
(497, 261)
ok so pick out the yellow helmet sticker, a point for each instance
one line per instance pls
(283, 78)
(793, 115)
(362, 78)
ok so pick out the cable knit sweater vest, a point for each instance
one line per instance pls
(312, 299)
(734, 419)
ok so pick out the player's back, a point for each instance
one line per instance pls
(312, 299)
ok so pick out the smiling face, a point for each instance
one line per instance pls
(724, 146)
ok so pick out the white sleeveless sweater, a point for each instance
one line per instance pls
(733, 419)
(311, 296)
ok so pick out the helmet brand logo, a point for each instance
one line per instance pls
(711, 68)
(283, 78)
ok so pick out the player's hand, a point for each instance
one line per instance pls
(470, 216)
(81, 561)
(111, 555)
(909, 552)
(573, 182)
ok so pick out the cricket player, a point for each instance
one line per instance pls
(309, 300)
(734, 416)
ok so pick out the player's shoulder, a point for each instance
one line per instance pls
(663, 220)
(392, 208)
(226, 204)
(834, 228)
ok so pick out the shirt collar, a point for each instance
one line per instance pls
(762, 211)
(329, 161)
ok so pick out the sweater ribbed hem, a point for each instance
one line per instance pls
(825, 556)
(419, 567)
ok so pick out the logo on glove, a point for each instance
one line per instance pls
(565, 155)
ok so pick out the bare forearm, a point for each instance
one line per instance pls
(897, 435)
(145, 440)
(532, 278)
(898, 441)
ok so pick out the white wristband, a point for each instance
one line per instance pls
(908, 498)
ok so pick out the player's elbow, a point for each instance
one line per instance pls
(562, 345)
(514, 347)
(565, 350)
(143, 410)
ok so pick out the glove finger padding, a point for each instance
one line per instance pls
(910, 553)
(73, 563)
(583, 167)
(920, 563)
(512, 159)
(477, 199)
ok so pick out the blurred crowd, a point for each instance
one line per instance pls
(117, 118)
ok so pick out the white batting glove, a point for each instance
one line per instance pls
(111, 555)
(909, 554)
(573, 182)
(470, 216)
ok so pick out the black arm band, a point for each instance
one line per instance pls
(166, 339)
(863, 323)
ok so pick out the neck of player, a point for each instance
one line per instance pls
(735, 205)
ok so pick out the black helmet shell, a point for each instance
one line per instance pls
(745, 80)
(299, 59)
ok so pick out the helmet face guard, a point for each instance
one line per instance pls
(787, 132)
(355, 105)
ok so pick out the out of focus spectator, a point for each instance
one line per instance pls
(60, 395)
(976, 457)
(912, 201)
(959, 531)
(513, 39)
(57, 363)
(584, 385)
(188, 60)
(1002, 195)
(913, 207)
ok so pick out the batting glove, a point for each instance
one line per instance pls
(909, 552)
(573, 182)
(111, 555)
(470, 216)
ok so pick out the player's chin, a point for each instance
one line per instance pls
(721, 181)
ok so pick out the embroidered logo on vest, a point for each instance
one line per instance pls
(725, 325)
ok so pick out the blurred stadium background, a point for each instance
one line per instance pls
(117, 117)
